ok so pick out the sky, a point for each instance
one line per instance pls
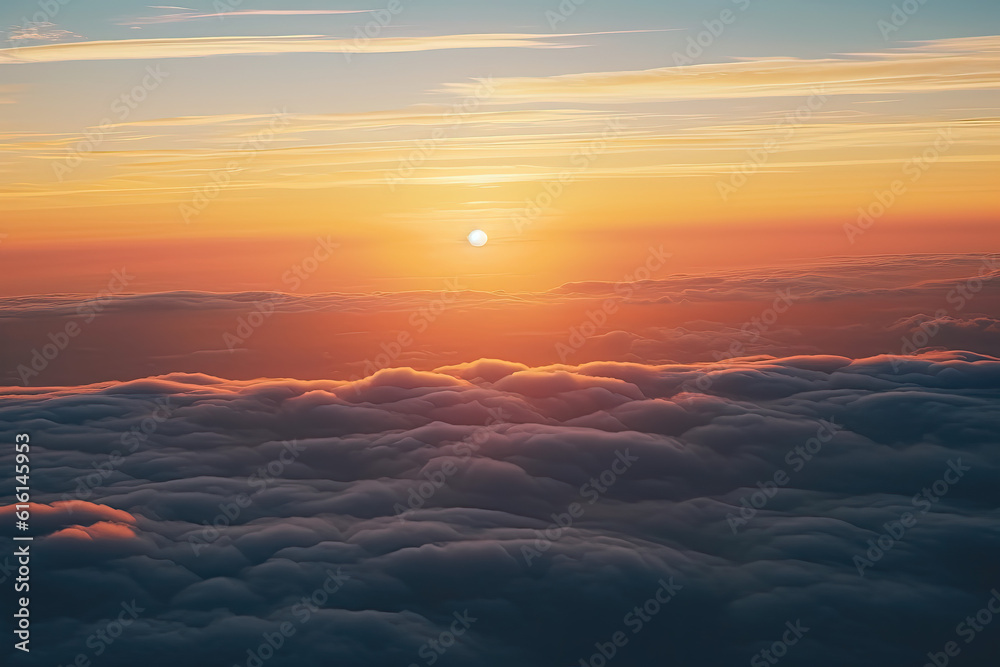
(575, 137)
(722, 386)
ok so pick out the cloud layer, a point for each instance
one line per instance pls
(968, 63)
(216, 507)
(854, 307)
(199, 47)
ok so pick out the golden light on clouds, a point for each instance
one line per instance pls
(943, 65)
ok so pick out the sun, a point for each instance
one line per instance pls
(478, 238)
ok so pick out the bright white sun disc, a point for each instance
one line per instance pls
(478, 238)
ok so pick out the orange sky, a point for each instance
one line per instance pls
(572, 175)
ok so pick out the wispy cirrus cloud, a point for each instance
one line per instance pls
(194, 15)
(971, 63)
(419, 115)
(39, 31)
(195, 47)
(511, 146)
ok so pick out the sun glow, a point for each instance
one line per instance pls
(478, 238)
